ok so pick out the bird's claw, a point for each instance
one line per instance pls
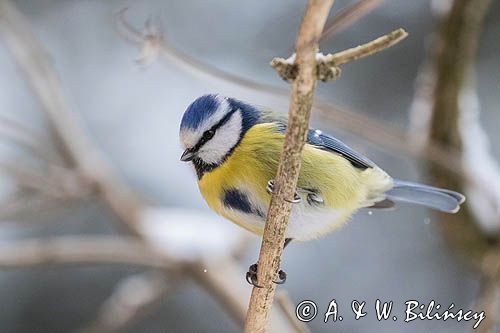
(251, 276)
(296, 196)
(281, 277)
(270, 186)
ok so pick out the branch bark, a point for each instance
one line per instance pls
(302, 69)
(289, 166)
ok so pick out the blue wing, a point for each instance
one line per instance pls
(321, 140)
(329, 143)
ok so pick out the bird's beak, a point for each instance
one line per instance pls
(187, 155)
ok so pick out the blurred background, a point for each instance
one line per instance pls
(102, 228)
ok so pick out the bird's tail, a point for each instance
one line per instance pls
(432, 197)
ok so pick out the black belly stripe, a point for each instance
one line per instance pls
(235, 199)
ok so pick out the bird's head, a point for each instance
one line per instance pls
(212, 126)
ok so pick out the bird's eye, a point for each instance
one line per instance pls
(209, 134)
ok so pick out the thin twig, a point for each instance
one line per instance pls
(29, 177)
(25, 138)
(288, 170)
(132, 298)
(19, 204)
(327, 64)
(347, 16)
(366, 49)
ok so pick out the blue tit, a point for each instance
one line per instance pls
(235, 149)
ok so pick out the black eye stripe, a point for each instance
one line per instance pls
(224, 120)
(205, 138)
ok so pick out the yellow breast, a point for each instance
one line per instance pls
(255, 160)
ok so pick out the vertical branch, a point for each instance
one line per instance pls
(288, 171)
(451, 126)
(456, 50)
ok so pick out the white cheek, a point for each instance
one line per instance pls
(224, 140)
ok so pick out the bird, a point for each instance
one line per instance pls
(235, 146)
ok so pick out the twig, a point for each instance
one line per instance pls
(327, 64)
(347, 16)
(64, 250)
(289, 166)
(367, 49)
(18, 204)
(29, 177)
(23, 137)
(131, 299)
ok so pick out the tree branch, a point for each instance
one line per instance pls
(302, 69)
(289, 166)
(132, 298)
(327, 64)
(64, 250)
(454, 124)
(454, 67)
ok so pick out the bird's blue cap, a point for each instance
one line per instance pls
(202, 108)
(205, 106)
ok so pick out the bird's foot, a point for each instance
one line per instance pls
(281, 277)
(270, 188)
(251, 276)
